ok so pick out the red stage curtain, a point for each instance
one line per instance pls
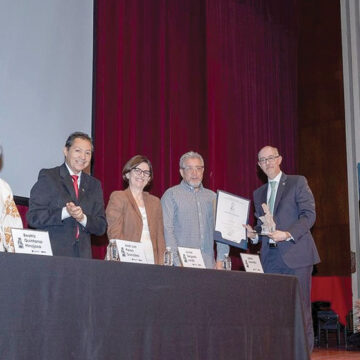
(216, 76)
(22, 211)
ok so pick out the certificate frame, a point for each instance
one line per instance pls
(218, 236)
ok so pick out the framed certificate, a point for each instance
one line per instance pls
(232, 212)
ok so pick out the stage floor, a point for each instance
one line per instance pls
(334, 354)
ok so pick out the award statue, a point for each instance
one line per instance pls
(268, 225)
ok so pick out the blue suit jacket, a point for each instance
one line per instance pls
(294, 211)
(49, 195)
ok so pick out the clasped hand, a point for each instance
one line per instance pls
(75, 211)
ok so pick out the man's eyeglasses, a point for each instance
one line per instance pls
(190, 169)
(270, 159)
(138, 172)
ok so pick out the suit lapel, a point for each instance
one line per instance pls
(67, 181)
(264, 194)
(262, 199)
(280, 190)
(133, 203)
(84, 183)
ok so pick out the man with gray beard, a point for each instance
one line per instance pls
(188, 211)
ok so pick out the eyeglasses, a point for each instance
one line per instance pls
(190, 169)
(138, 172)
(270, 159)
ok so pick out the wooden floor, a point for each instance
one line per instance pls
(334, 354)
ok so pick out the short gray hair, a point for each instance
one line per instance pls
(189, 155)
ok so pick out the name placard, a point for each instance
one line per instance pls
(252, 263)
(130, 251)
(191, 258)
(32, 242)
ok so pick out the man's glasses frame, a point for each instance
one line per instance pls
(190, 169)
(270, 159)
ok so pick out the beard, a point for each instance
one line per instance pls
(194, 184)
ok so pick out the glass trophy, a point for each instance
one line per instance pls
(268, 224)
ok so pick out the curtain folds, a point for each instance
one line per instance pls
(215, 76)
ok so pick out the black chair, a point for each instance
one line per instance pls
(315, 307)
(328, 320)
(349, 329)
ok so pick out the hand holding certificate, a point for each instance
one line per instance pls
(231, 212)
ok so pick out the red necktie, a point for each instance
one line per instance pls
(75, 183)
(76, 188)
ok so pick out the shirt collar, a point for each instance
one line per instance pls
(71, 172)
(189, 187)
(276, 178)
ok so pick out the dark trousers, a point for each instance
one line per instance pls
(76, 248)
(273, 264)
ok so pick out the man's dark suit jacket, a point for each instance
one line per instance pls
(294, 211)
(50, 194)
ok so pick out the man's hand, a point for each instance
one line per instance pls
(219, 265)
(251, 233)
(75, 211)
(279, 235)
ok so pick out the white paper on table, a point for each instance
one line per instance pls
(33, 242)
(191, 257)
(131, 251)
(252, 263)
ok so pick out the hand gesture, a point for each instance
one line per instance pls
(75, 211)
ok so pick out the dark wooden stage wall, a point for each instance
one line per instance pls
(322, 147)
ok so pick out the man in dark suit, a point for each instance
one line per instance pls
(290, 249)
(67, 202)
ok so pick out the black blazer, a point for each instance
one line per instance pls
(49, 195)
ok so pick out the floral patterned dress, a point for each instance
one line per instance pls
(9, 217)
